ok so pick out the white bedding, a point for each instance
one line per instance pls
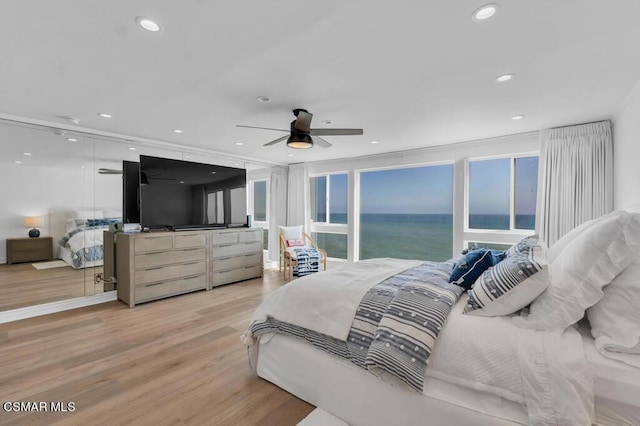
(546, 371)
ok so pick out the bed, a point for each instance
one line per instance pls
(480, 369)
(78, 235)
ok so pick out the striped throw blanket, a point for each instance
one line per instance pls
(395, 326)
(308, 261)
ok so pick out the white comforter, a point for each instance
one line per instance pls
(545, 371)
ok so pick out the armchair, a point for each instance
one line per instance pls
(292, 237)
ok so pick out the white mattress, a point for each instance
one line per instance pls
(616, 385)
(360, 398)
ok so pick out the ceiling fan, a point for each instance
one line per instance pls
(302, 136)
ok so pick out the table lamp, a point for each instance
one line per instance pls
(34, 222)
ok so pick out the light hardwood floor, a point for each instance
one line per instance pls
(23, 285)
(177, 361)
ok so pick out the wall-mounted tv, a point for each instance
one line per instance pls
(180, 195)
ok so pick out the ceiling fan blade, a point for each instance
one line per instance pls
(320, 142)
(276, 141)
(335, 132)
(303, 121)
(264, 128)
(104, 171)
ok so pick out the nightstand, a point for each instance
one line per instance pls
(29, 249)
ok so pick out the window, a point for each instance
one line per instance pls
(215, 207)
(329, 198)
(407, 213)
(329, 213)
(259, 208)
(502, 194)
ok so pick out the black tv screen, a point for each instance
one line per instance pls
(176, 194)
(130, 192)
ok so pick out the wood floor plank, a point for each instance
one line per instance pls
(177, 361)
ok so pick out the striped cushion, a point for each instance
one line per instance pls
(511, 284)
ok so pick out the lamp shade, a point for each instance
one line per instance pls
(300, 141)
(33, 221)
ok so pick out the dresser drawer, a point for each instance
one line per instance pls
(235, 249)
(191, 240)
(141, 245)
(169, 288)
(229, 262)
(250, 236)
(224, 237)
(166, 257)
(163, 273)
(232, 275)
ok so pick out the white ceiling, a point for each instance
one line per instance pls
(411, 73)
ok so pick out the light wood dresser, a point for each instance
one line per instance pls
(156, 265)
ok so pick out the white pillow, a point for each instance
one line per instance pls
(615, 319)
(556, 249)
(291, 232)
(511, 284)
(582, 269)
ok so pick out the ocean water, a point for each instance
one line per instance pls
(411, 236)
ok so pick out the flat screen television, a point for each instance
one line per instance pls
(182, 195)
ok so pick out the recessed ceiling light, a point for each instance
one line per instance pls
(327, 122)
(26, 153)
(485, 12)
(18, 162)
(517, 117)
(132, 148)
(177, 131)
(289, 155)
(504, 77)
(181, 181)
(104, 115)
(82, 167)
(213, 173)
(263, 99)
(374, 141)
(187, 156)
(72, 139)
(148, 24)
(236, 164)
(239, 143)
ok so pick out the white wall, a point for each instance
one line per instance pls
(626, 152)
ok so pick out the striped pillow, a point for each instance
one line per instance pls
(511, 284)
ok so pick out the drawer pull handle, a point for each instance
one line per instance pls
(191, 249)
(249, 267)
(154, 269)
(192, 278)
(225, 258)
(225, 245)
(250, 254)
(154, 284)
(223, 271)
(189, 263)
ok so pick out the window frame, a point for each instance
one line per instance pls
(328, 227)
(496, 236)
(264, 224)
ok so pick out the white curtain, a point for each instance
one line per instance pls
(576, 177)
(277, 209)
(298, 198)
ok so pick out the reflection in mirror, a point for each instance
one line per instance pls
(70, 183)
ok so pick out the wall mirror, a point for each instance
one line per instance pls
(69, 184)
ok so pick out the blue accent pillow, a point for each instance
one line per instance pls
(470, 266)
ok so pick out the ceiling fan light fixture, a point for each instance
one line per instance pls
(300, 141)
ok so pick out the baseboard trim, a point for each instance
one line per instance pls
(53, 307)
